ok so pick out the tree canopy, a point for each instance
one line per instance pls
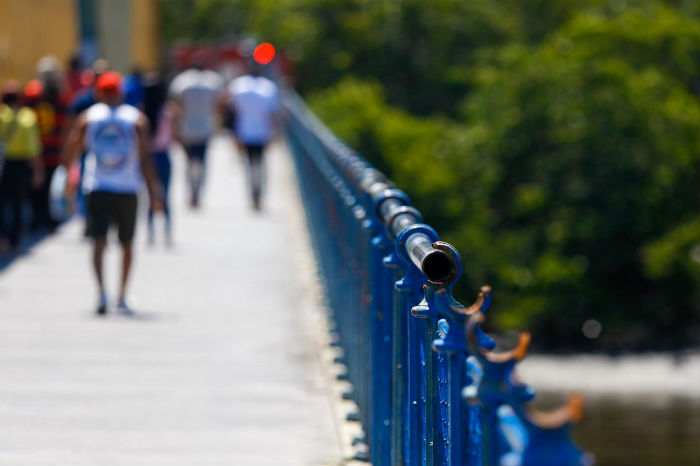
(555, 143)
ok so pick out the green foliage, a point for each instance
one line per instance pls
(200, 20)
(570, 181)
(598, 150)
(415, 152)
(555, 143)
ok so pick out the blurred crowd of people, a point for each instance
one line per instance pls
(34, 121)
(102, 135)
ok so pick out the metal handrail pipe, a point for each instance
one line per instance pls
(435, 264)
(387, 209)
(402, 221)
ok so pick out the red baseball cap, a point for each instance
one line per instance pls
(109, 82)
(33, 89)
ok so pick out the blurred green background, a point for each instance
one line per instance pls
(555, 143)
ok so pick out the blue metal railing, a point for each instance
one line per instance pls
(429, 387)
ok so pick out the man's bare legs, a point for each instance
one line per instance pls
(126, 268)
(195, 171)
(97, 259)
(196, 167)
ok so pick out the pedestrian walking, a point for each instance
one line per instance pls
(134, 90)
(86, 97)
(45, 95)
(81, 101)
(73, 82)
(255, 103)
(196, 93)
(160, 118)
(20, 148)
(115, 136)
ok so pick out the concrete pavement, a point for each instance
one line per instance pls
(220, 366)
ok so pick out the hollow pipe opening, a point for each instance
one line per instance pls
(437, 267)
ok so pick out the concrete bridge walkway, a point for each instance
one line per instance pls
(220, 365)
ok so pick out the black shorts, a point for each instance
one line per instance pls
(196, 151)
(255, 152)
(105, 208)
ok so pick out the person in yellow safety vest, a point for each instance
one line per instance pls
(20, 147)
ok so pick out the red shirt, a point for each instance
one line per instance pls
(51, 112)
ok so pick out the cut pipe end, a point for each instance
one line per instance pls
(437, 267)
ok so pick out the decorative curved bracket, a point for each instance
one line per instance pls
(439, 303)
(547, 440)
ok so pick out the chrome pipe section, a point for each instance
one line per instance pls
(387, 208)
(401, 222)
(435, 264)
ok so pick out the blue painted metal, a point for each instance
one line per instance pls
(429, 387)
(88, 17)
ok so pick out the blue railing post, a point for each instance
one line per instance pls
(459, 434)
(383, 270)
(424, 439)
(404, 425)
(421, 436)
(452, 347)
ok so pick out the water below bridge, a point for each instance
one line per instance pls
(624, 430)
(640, 410)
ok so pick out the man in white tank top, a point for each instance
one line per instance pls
(255, 102)
(196, 93)
(115, 137)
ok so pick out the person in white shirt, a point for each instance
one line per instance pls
(196, 93)
(255, 102)
(115, 137)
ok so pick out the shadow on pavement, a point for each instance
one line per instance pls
(142, 316)
(29, 240)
